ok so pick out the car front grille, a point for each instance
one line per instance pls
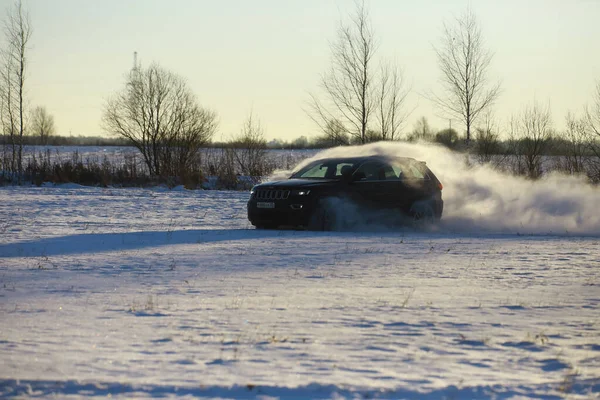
(268, 194)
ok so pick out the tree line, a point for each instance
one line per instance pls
(360, 98)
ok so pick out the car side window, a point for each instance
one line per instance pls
(341, 168)
(318, 171)
(415, 173)
(419, 171)
(389, 173)
(406, 171)
(372, 171)
(399, 171)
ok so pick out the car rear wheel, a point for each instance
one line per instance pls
(422, 212)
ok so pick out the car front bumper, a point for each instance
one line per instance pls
(289, 212)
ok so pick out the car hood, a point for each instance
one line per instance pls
(290, 183)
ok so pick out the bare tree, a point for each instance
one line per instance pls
(464, 64)
(160, 116)
(8, 116)
(348, 86)
(421, 131)
(17, 30)
(391, 98)
(42, 124)
(487, 142)
(250, 149)
(516, 161)
(336, 134)
(447, 137)
(576, 143)
(531, 133)
(592, 126)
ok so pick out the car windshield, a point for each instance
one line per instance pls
(326, 169)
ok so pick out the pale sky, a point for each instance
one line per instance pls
(265, 56)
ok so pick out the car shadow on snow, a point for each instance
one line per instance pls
(46, 388)
(118, 241)
(122, 241)
(87, 243)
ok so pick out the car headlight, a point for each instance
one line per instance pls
(252, 190)
(300, 192)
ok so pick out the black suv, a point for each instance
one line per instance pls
(308, 198)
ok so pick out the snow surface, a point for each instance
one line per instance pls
(154, 293)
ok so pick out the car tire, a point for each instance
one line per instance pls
(422, 212)
(323, 219)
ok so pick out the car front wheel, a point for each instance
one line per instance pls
(323, 219)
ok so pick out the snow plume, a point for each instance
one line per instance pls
(481, 199)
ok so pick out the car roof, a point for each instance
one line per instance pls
(377, 157)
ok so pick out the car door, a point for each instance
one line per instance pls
(408, 184)
(415, 184)
(372, 187)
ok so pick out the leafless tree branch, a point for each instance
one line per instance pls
(591, 122)
(464, 64)
(13, 73)
(42, 124)
(348, 86)
(391, 96)
(160, 116)
(530, 135)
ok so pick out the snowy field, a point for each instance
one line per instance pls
(139, 293)
(120, 155)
